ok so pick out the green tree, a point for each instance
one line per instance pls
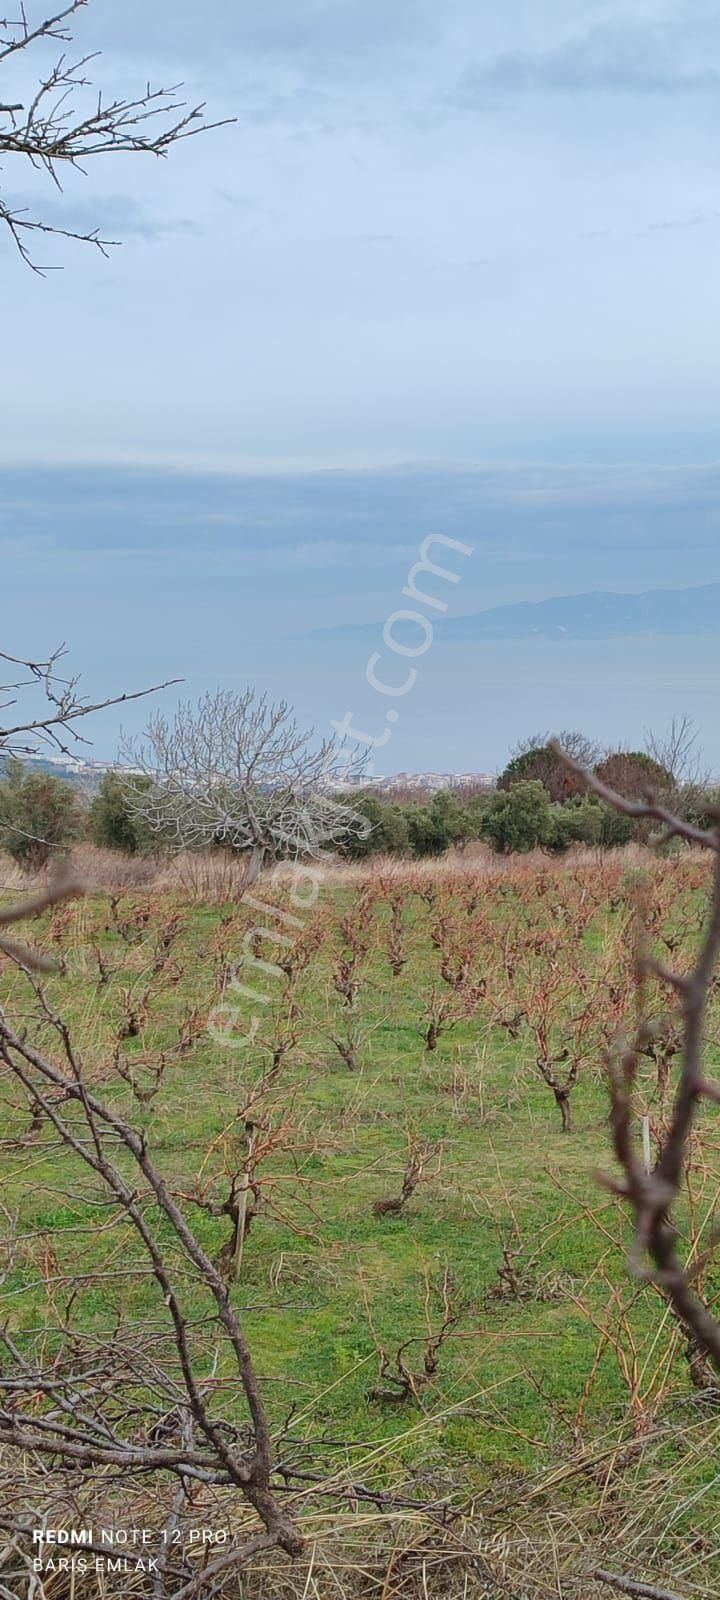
(114, 824)
(395, 831)
(476, 806)
(429, 830)
(39, 815)
(386, 831)
(527, 766)
(587, 820)
(448, 811)
(519, 818)
(616, 829)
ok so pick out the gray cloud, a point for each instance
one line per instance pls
(115, 216)
(699, 219)
(369, 276)
(623, 58)
(340, 34)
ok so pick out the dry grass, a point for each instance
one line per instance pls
(97, 869)
(528, 1539)
(214, 877)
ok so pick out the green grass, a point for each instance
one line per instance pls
(326, 1282)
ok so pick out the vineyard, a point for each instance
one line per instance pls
(389, 1151)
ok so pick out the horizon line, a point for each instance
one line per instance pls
(171, 465)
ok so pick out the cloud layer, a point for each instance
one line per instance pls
(624, 58)
(448, 233)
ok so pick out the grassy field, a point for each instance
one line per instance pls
(479, 1344)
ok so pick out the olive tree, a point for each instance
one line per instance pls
(39, 815)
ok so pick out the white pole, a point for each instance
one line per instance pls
(647, 1159)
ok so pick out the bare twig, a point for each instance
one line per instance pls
(72, 1428)
(633, 1586)
(650, 808)
(651, 1195)
(63, 123)
(60, 890)
(65, 706)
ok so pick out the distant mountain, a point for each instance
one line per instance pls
(599, 615)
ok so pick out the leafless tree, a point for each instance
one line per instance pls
(582, 749)
(651, 1195)
(237, 770)
(52, 118)
(577, 745)
(676, 749)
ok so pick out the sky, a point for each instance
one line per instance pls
(451, 269)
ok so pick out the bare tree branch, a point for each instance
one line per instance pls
(62, 888)
(73, 1428)
(47, 724)
(649, 808)
(237, 770)
(651, 1194)
(677, 751)
(61, 122)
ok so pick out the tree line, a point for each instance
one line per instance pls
(538, 803)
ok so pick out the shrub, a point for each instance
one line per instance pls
(429, 831)
(519, 818)
(587, 820)
(113, 823)
(394, 831)
(701, 806)
(39, 814)
(450, 814)
(387, 831)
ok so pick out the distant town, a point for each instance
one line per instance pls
(425, 782)
(89, 776)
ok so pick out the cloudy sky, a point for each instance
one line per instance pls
(448, 239)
